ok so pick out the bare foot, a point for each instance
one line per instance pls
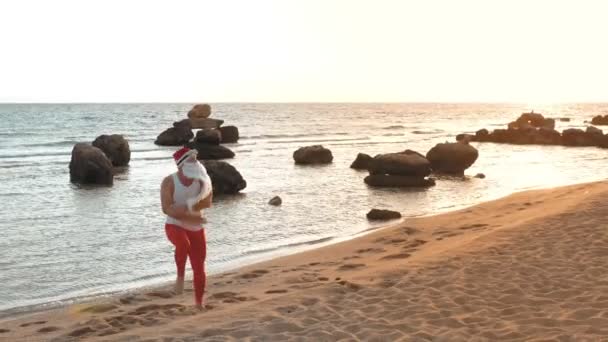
(200, 306)
(179, 286)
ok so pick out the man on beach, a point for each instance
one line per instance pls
(183, 196)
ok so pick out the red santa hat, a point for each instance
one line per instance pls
(182, 154)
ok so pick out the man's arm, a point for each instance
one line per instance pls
(166, 200)
(204, 203)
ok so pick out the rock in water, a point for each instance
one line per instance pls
(200, 111)
(89, 165)
(206, 123)
(208, 136)
(224, 177)
(406, 163)
(361, 162)
(230, 134)
(178, 135)
(276, 201)
(210, 152)
(452, 158)
(316, 154)
(480, 176)
(116, 148)
(383, 215)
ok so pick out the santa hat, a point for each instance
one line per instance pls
(182, 154)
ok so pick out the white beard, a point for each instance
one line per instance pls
(198, 172)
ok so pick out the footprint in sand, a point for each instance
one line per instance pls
(2, 331)
(409, 230)
(48, 329)
(276, 291)
(81, 332)
(370, 250)
(32, 323)
(253, 274)
(348, 267)
(350, 286)
(396, 256)
(351, 257)
(99, 308)
(160, 294)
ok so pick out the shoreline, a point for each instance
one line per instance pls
(411, 271)
(254, 259)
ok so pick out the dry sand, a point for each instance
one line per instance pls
(532, 266)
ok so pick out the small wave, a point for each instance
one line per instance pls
(145, 150)
(275, 136)
(52, 144)
(393, 135)
(435, 131)
(317, 140)
(30, 155)
(394, 127)
(152, 158)
(290, 245)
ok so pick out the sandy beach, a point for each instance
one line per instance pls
(532, 266)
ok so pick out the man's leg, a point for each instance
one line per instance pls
(179, 239)
(198, 253)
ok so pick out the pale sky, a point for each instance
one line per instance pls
(303, 51)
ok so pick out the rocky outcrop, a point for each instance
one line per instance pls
(600, 120)
(115, 147)
(206, 123)
(200, 111)
(361, 162)
(224, 177)
(89, 165)
(530, 129)
(452, 158)
(230, 134)
(210, 151)
(398, 181)
(406, 163)
(316, 154)
(208, 136)
(383, 215)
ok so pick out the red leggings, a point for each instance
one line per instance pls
(193, 244)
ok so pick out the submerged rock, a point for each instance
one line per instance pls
(316, 154)
(383, 215)
(406, 163)
(398, 181)
(224, 177)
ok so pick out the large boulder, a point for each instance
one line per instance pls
(208, 136)
(398, 181)
(600, 120)
(316, 154)
(116, 148)
(361, 162)
(383, 215)
(224, 177)
(407, 163)
(200, 111)
(210, 151)
(177, 135)
(230, 134)
(89, 165)
(206, 123)
(452, 158)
